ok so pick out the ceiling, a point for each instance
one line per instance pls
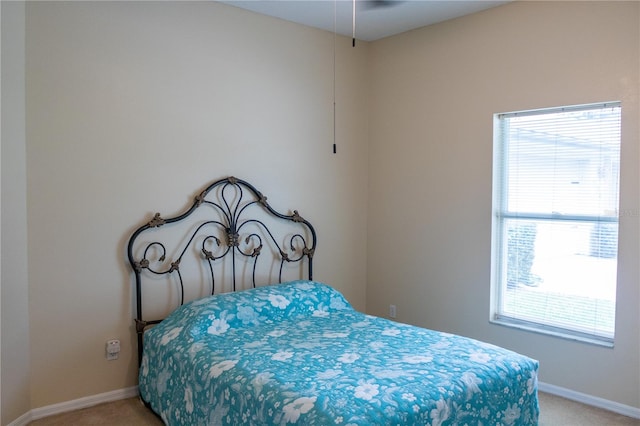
(374, 19)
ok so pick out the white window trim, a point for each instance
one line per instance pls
(500, 214)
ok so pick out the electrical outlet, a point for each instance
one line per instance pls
(112, 349)
(392, 311)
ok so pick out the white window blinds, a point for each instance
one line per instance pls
(555, 233)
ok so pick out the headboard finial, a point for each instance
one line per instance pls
(175, 266)
(309, 252)
(139, 266)
(156, 221)
(200, 198)
(296, 217)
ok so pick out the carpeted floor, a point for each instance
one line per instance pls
(126, 412)
(554, 411)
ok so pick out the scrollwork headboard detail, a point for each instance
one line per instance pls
(230, 229)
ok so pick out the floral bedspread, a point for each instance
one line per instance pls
(299, 353)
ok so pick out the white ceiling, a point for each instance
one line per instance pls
(374, 19)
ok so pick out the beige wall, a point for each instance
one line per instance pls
(429, 233)
(14, 363)
(133, 108)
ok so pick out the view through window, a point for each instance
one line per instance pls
(555, 229)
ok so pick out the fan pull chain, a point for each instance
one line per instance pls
(334, 77)
(353, 25)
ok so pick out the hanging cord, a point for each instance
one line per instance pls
(353, 25)
(334, 76)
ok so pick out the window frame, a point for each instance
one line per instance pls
(501, 215)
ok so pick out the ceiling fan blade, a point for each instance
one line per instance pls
(379, 4)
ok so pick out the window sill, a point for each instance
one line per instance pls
(554, 332)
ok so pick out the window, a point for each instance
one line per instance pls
(555, 220)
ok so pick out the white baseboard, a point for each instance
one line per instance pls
(89, 401)
(76, 404)
(594, 401)
(23, 420)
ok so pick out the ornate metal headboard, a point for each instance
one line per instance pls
(230, 234)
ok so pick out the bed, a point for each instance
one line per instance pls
(265, 347)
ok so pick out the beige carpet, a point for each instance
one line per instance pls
(554, 411)
(126, 412)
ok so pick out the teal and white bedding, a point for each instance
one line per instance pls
(299, 353)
